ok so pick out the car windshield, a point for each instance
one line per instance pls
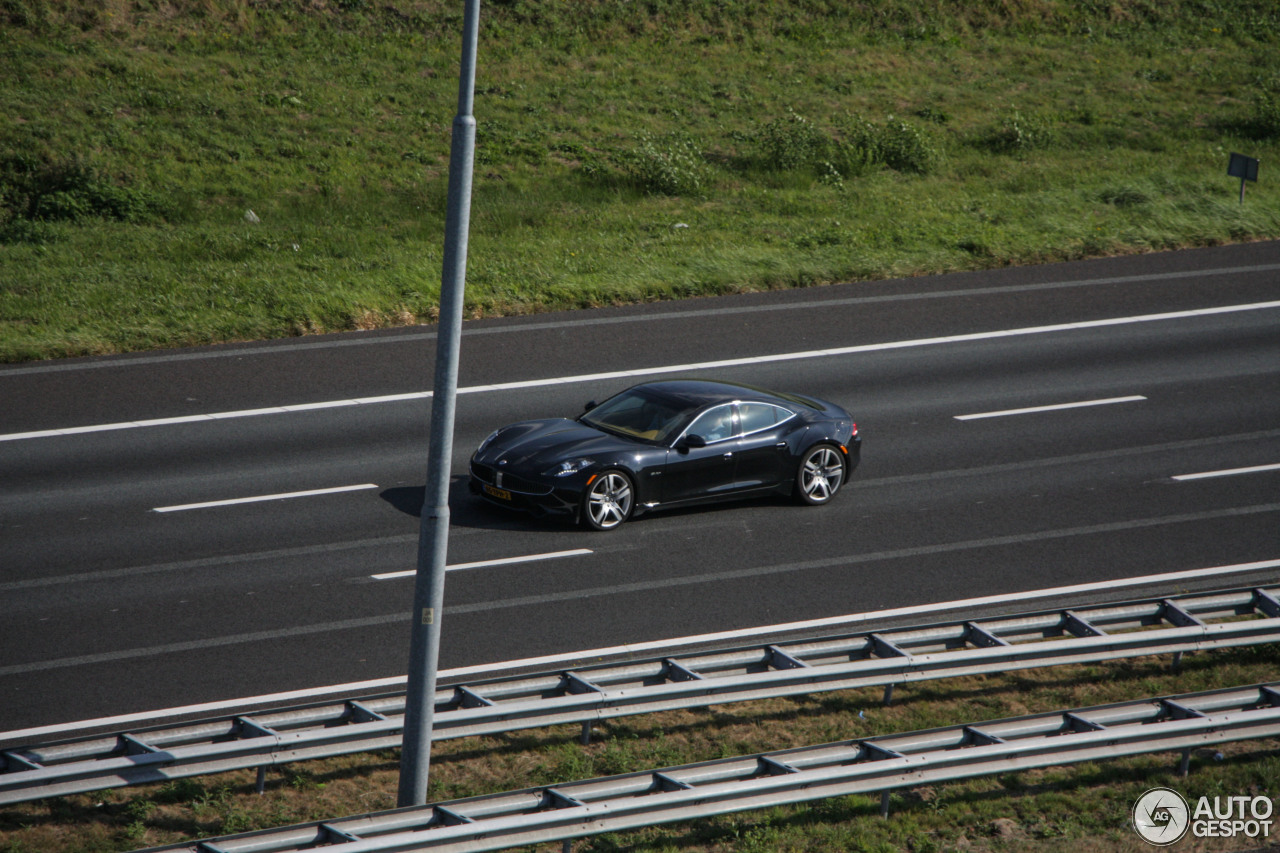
(636, 413)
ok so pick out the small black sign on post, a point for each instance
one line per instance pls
(1244, 168)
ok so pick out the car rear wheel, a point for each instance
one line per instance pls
(820, 475)
(608, 501)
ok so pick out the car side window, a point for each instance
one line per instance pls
(714, 424)
(755, 417)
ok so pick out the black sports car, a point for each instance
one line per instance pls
(665, 444)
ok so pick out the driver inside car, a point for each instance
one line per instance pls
(719, 425)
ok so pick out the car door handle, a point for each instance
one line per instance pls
(729, 455)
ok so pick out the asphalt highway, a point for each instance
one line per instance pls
(191, 526)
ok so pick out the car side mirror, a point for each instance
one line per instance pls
(589, 406)
(692, 441)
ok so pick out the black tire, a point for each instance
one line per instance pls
(608, 500)
(820, 474)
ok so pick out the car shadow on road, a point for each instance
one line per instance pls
(466, 510)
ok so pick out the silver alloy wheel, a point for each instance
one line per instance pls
(608, 502)
(821, 474)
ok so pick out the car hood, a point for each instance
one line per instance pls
(534, 446)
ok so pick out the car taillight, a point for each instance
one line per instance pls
(855, 431)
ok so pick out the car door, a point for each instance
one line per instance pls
(707, 471)
(763, 459)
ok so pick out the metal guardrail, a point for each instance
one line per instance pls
(694, 791)
(586, 695)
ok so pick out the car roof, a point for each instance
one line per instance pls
(705, 392)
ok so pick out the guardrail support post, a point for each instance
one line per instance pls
(586, 733)
(1177, 662)
(261, 785)
(888, 695)
(884, 804)
(1184, 767)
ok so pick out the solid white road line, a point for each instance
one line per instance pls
(658, 316)
(853, 619)
(1054, 408)
(655, 371)
(672, 646)
(259, 498)
(1228, 473)
(484, 564)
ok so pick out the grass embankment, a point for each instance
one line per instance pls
(626, 152)
(1078, 809)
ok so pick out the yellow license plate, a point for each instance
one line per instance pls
(500, 494)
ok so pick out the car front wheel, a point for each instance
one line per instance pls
(608, 501)
(820, 475)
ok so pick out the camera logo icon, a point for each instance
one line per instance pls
(1161, 816)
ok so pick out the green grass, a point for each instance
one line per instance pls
(626, 152)
(1074, 809)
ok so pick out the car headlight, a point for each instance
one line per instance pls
(486, 442)
(572, 466)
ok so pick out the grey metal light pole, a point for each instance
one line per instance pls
(433, 536)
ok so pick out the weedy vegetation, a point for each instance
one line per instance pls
(199, 171)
